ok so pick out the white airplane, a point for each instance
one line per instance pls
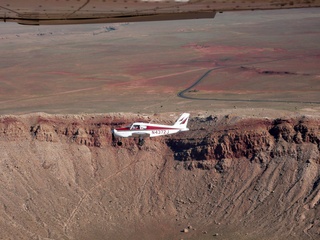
(142, 130)
(42, 12)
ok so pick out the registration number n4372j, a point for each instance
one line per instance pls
(160, 131)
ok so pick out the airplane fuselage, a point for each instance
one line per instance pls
(147, 130)
(143, 130)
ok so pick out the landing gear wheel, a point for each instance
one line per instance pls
(141, 141)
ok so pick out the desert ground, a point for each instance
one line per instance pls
(267, 59)
(249, 168)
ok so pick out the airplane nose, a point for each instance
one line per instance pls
(114, 131)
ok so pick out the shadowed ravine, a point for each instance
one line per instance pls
(229, 177)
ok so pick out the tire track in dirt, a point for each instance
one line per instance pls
(51, 95)
(182, 93)
(87, 194)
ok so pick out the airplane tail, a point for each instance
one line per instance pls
(182, 122)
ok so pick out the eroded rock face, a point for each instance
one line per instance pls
(254, 139)
(62, 178)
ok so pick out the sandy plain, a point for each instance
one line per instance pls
(251, 60)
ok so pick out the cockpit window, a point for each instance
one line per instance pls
(135, 127)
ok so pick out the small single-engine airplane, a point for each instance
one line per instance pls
(142, 130)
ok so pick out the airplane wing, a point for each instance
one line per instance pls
(138, 135)
(41, 12)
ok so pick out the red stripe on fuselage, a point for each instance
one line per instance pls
(160, 128)
(123, 129)
(148, 128)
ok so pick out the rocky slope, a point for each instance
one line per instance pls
(228, 177)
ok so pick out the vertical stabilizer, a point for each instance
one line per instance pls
(182, 121)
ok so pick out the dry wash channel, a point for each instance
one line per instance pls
(228, 177)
